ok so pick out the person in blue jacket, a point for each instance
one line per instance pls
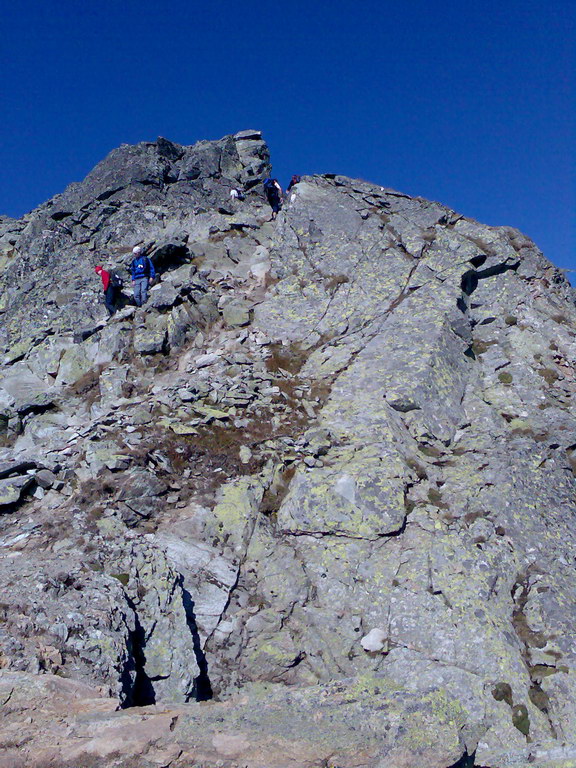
(141, 271)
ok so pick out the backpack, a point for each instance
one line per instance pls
(116, 281)
(268, 184)
(140, 267)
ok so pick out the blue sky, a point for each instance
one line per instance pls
(471, 104)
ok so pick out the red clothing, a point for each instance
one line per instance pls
(104, 275)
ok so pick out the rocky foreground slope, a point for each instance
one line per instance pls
(313, 505)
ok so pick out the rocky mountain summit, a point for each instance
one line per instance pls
(311, 506)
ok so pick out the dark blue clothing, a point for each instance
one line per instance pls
(140, 267)
(110, 298)
(273, 194)
(275, 202)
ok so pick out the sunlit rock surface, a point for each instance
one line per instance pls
(312, 505)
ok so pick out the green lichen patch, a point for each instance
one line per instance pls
(435, 498)
(562, 319)
(479, 346)
(503, 692)
(539, 698)
(521, 719)
(430, 450)
(123, 578)
(549, 375)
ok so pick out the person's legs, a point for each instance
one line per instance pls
(276, 205)
(144, 290)
(138, 291)
(110, 299)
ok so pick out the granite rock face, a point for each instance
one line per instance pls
(323, 481)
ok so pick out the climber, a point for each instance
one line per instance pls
(141, 271)
(237, 194)
(273, 192)
(293, 181)
(112, 284)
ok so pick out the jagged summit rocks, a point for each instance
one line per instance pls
(154, 190)
(323, 480)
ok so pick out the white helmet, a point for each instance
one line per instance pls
(137, 250)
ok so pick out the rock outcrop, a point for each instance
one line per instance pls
(313, 504)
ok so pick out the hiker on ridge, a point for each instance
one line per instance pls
(293, 181)
(141, 271)
(112, 285)
(273, 192)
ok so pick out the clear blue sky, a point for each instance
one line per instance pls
(468, 103)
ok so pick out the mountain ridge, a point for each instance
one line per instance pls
(322, 482)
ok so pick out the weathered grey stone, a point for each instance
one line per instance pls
(180, 323)
(209, 359)
(12, 463)
(358, 511)
(139, 490)
(45, 478)
(236, 313)
(270, 728)
(151, 337)
(26, 391)
(106, 453)
(12, 488)
(375, 640)
(113, 344)
(112, 381)
(162, 296)
(76, 362)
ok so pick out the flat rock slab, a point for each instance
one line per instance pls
(162, 296)
(17, 465)
(237, 314)
(12, 489)
(208, 359)
(351, 496)
(27, 390)
(275, 729)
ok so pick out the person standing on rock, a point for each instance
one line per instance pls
(141, 271)
(112, 285)
(293, 181)
(273, 192)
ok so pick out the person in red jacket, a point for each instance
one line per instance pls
(109, 289)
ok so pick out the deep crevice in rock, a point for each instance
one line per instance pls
(478, 260)
(170, 256)
(108, 193)
(202, 690)
(37, 409)
(498, 269)
(466, 761)
(470, 279)
(530, 639)
(60, 215)
(141, 693)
